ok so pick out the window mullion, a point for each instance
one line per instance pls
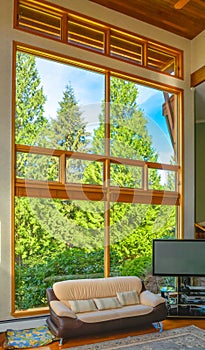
(107, 178)
(64, 28)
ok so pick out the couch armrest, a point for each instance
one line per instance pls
(50, 294)
(61, 309)
(150, 299)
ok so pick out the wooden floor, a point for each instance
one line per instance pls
(167, 324)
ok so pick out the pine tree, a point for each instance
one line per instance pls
(30, 101)
(29, 118)
(133, 226)
(129, 136)
(68, 130)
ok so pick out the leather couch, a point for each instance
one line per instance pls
(92, 306)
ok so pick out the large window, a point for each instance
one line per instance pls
(97, 173)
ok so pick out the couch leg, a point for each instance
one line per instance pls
(158, 326)
(61, 341)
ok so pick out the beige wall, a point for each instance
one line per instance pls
(8, 34)
(199, 152)
(198, 61)
(198, 52)
(5, 157)
(200, 172)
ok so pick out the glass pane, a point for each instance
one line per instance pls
(55, 240)
(125, 176)
(143, 122)
(40, 21)
(37, 167)
(161, 60)
(82, 33)
(64, 110)
(132, 229)
(125, 47)
(84, 171)
(159, 179)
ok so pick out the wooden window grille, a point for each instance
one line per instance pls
(38, 20)
(67, 187)
(74, 29)
(126, 47)
(85, 34)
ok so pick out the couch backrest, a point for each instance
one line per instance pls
(96, 288)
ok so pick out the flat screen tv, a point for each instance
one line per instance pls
(177, 257)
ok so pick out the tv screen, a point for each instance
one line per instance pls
(175, 257)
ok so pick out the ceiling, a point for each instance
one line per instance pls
(187, 22)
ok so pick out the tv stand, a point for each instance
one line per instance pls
(187, 301)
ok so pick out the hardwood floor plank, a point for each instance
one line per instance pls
(170, 323)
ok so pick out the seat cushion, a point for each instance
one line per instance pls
(113, 314)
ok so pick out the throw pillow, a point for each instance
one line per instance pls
(86, 305)
(128, 298)
(107, 303)
(150, 299)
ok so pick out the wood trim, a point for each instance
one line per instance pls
(31, 312)
(168, 112)
(40, 52)
(180, 160)
(107, 41)
(95, 193)
(94, 157)
(95, 24)
(107, 236)
(13, 177)
(107, 178)
(64, 28)
(198, 77)
(62, 168)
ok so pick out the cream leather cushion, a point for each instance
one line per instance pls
(95, 288)
(113, 314)
(82, 305)
(150, 299)
(107, 303)
(62, 310)
(128, 298)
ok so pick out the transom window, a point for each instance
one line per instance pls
(74, 29)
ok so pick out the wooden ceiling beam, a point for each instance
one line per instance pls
(198, 77)
(187, 22)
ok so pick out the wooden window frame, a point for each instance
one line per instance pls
(106, 193)
(86, 43)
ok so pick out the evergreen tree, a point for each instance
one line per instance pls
(30, 101)
(133, 226)
(29, 118)
(129, 136)
(68, 130)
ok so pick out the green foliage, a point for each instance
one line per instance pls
(136, 267)
(129, 134)
(29, 101)
(35, 238)
(33, 278)
(67, 130)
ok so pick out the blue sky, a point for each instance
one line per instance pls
(89, 91)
